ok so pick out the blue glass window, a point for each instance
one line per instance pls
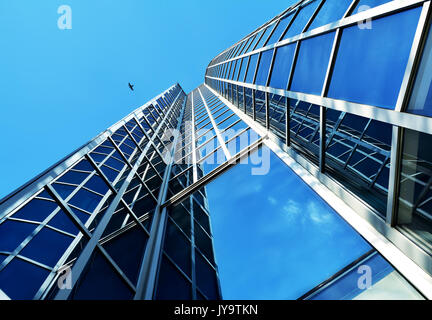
(289, 218)
(312, 63)
(85, 200)
(206, 277)
(97, 184)
(63, 190)
(12, 233)
(364, 4)
(263, 68)
(370, 70)
(36, 210)
(386, 284)
(21, 280)
(128, 260)
(251, 68)
(178, 247)
(421, 98)
(47, 247)
(242, 70)
(282, 66)
(280, 28)
(301, 19)
(74, 177)
(171, 283)
(100, 281)
(331, 11)
(264, 37)
(63, 222)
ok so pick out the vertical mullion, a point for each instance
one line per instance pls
(323, 110)
(218, 135)
(194, 154)
(150, 263)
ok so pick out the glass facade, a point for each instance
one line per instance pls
(283, 176)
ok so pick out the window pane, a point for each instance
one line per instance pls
(386, 284)
(364, 5)
(171, 283)
(21, 280)
(421, 98)
(415, 198)
(301, 19)
(36, 210)
(242, 70)
(275, 216)
(263, 69)
(283, 23)
(47, 247)
(374, 76)
(282, 66)
(127, 250)
(100, 281)
(251, 69)
(331, 11)
(312, 63)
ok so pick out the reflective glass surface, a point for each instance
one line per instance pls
(312, 63)
(421, 98)
(374, 76)
(287, 232)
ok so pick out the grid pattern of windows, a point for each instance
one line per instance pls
(85, 218)
(345, 86)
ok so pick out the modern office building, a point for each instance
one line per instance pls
(300, 169)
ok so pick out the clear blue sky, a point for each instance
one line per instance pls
(60, 88)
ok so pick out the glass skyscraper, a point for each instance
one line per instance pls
(300, 169)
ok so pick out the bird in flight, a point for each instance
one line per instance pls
(131, 86)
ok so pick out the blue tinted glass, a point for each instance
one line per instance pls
(282, 66)
(242, 70)
(36, 210)
(63, 222)
(63, 190)
(331, 11)
(364, 5)
(206, 277)
(254, 41)
(312, 63)
(264, 37)
(100, 282)
(251, 69)
(73, 177)
(301, 19)
(109, 173)
(309, 242)
(233, 69)
(374, 76)
(128, 260)
(386, 283)
(21, 280)
(171, 283)
(178, 247)
(263, 68)
(85, 200)
(213, 161)
(47, 247)
(279, 29)
(84, 165)
(97, 184)
(421, 98)
(12, 233)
